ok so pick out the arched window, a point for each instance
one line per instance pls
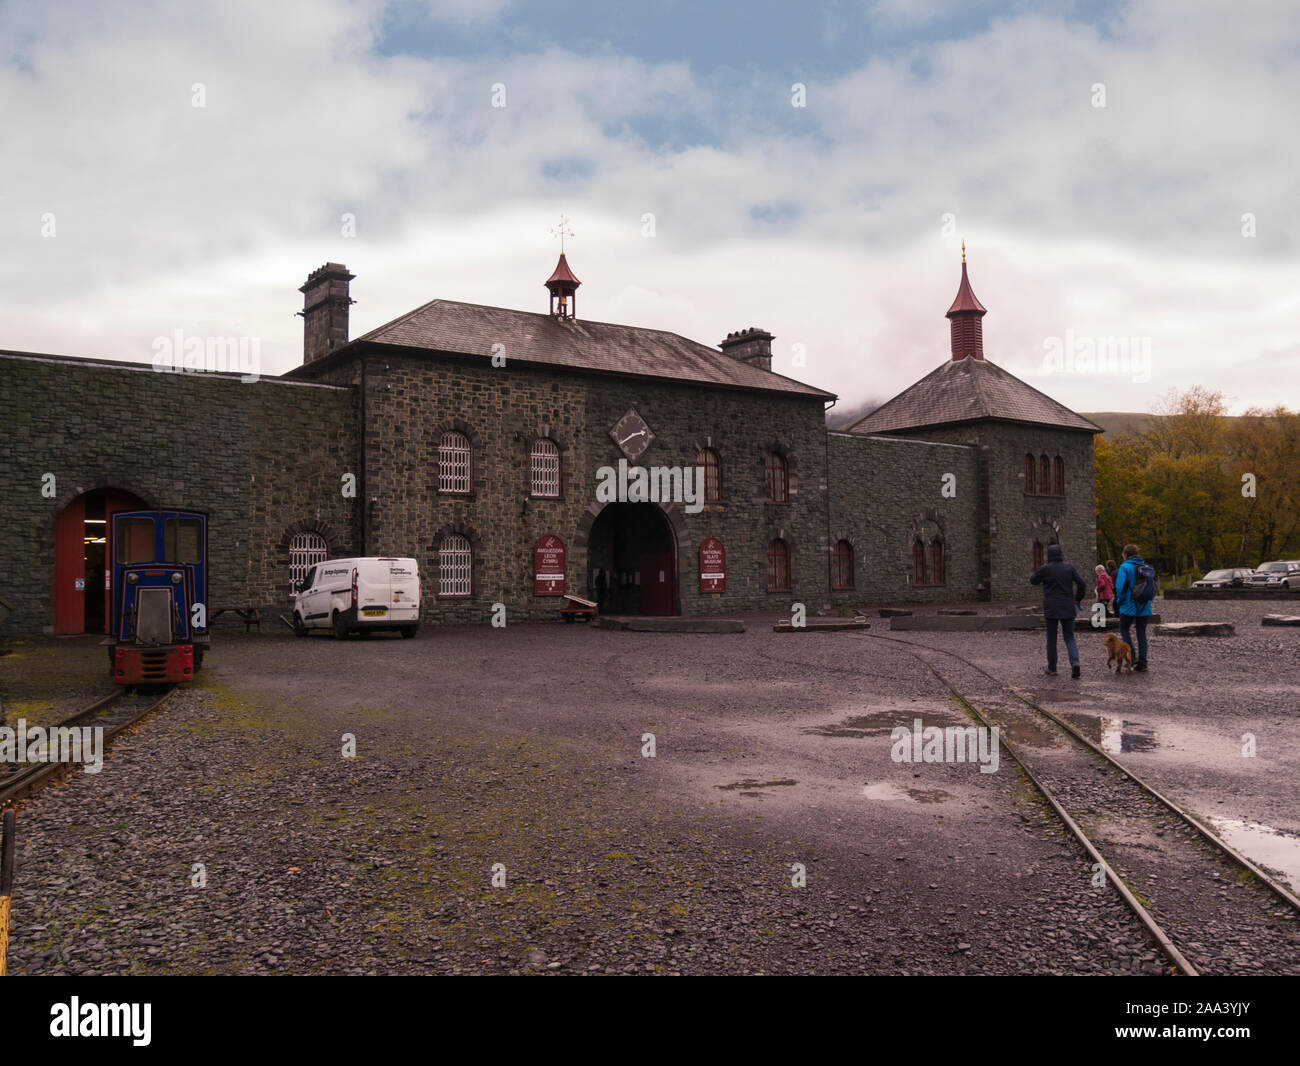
(1044, 476)
(1058, 476)
(545, 467)
(936, 562)
(453, 462)
(708, 459)
(1038, 554)
(842, 565)
(305, 551)
(1030, 466)
(455, 566)
(918, 563)
(778, 566)
(777, 478)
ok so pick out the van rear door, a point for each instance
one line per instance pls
(404, 587)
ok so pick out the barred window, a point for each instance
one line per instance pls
(1058, 476)
(918, 563)
(777, 478)
(712, 464)
(1030, 466)
(936, 562)
(545, 467)
(455, 565)
(305, 551)
(453, 463)
(778, 566)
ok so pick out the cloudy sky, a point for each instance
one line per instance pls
(1118, 170)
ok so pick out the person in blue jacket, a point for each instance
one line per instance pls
(1063, 593)
(1132, 610)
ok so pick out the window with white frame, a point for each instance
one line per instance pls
(305, 551)
(455, 563)
(453, 463)
(545, 467)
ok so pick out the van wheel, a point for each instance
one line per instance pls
(299, 628)
(409, 631)
(340, 626)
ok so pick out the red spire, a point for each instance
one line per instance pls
(966, 329)
(563, 284)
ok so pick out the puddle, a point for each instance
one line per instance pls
(1116, 736)
(865, 725)
(751, 784)
(1264, 845)
(882, 790)
(881, 723)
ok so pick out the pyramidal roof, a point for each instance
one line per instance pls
(580, 344)
(968, 390)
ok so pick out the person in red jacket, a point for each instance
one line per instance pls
(1105, 589)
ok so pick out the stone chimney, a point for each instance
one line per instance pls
(325, 303)
(752, 346)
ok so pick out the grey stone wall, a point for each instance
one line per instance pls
(886, 490)
(261, 458)
(413, 399)
(1016, 519)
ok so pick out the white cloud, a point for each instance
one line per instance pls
(1122, 220)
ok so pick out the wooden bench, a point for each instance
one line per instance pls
(576, 609)
(251, 616)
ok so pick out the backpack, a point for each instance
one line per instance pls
(1144, 583)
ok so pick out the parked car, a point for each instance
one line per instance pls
(1279, 574)
(1224, 579)
(359, 596)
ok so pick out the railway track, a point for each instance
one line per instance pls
(113, 713)
(1209, 908)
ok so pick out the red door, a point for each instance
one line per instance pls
(658, 583)
(70, 568)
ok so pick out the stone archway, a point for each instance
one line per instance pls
(631, 554)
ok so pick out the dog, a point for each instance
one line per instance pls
(1118, 652)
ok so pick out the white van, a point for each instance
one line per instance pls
(358, 596)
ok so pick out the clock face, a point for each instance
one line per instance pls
(632, 435)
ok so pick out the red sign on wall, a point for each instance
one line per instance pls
(713, 565)
(548, 566)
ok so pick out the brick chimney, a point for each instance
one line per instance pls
(752, 346)
(324, 311)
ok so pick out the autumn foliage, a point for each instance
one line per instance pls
(1199, 489)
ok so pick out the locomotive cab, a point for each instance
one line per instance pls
(158, 627)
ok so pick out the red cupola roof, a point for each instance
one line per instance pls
(563, 284)
(966, 329)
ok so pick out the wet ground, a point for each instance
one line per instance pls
(771, 831)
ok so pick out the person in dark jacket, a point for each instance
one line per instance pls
(1131, 611)
(1063, 593)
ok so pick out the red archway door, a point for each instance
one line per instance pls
(83, 559)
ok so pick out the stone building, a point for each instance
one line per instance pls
(522, 455)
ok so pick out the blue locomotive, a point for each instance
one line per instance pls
(158, 630)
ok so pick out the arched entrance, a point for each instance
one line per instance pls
(632, 560)
(82, 536)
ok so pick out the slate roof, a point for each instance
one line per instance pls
(530, 337)
(968, 390)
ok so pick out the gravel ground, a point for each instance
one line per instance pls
(523, 747)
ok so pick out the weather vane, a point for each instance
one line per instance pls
(562, 231)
